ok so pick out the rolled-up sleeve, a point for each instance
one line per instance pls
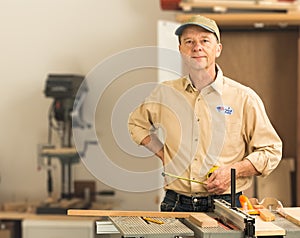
(139, 124)
(264, 144)
(142, 120)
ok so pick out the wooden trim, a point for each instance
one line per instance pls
(255, 19)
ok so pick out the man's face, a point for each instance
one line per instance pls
(199, 48)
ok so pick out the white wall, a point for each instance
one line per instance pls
(56, 36)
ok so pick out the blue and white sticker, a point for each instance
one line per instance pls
(225, 110)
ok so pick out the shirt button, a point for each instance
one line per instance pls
(195, 200)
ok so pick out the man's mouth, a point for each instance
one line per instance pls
(198, 57)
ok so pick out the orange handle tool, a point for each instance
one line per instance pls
(246, 204)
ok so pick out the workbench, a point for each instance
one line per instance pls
(281, 227)
(31, 225)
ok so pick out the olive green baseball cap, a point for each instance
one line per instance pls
(204, 22)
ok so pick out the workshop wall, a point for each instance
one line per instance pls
(66, 36)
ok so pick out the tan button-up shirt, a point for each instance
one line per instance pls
(225, 123)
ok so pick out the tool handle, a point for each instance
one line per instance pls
(246, 204)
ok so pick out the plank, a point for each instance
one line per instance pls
(203, 220)
(266, 215)
(118, 213)
(264, 228)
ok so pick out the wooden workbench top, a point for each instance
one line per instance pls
(33, 216)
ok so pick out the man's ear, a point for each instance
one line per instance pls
(218, 50)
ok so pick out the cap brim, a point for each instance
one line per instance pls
(180, 29)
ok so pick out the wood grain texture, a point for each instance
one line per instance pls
(263, 228)
(100, 213)
(266, 215)
(203, 220)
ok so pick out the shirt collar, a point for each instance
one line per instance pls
(216, 85)
(188, 84)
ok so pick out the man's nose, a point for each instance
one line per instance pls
(197, 47)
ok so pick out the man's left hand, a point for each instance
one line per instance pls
(219, 180)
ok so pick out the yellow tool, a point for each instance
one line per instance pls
(149, 219)
(211, 171)
(182, 178)
(191, 180)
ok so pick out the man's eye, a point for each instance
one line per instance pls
(189, 42)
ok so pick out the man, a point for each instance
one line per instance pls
(210, 124)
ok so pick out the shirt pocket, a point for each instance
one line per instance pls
(233, 128)
(233, 139)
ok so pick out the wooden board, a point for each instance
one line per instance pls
(263, 228)
(266, 215)
(203, 220)
(117, 213)
(291, 213)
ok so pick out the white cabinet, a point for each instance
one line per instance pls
(58, 229)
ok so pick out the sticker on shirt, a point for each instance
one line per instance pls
(225, 110)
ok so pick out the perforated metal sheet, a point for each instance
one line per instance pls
(137, 227)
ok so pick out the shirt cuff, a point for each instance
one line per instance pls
(138, 134)
(263, 164)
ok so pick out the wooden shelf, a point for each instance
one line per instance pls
(250, 19)
(224, 6)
